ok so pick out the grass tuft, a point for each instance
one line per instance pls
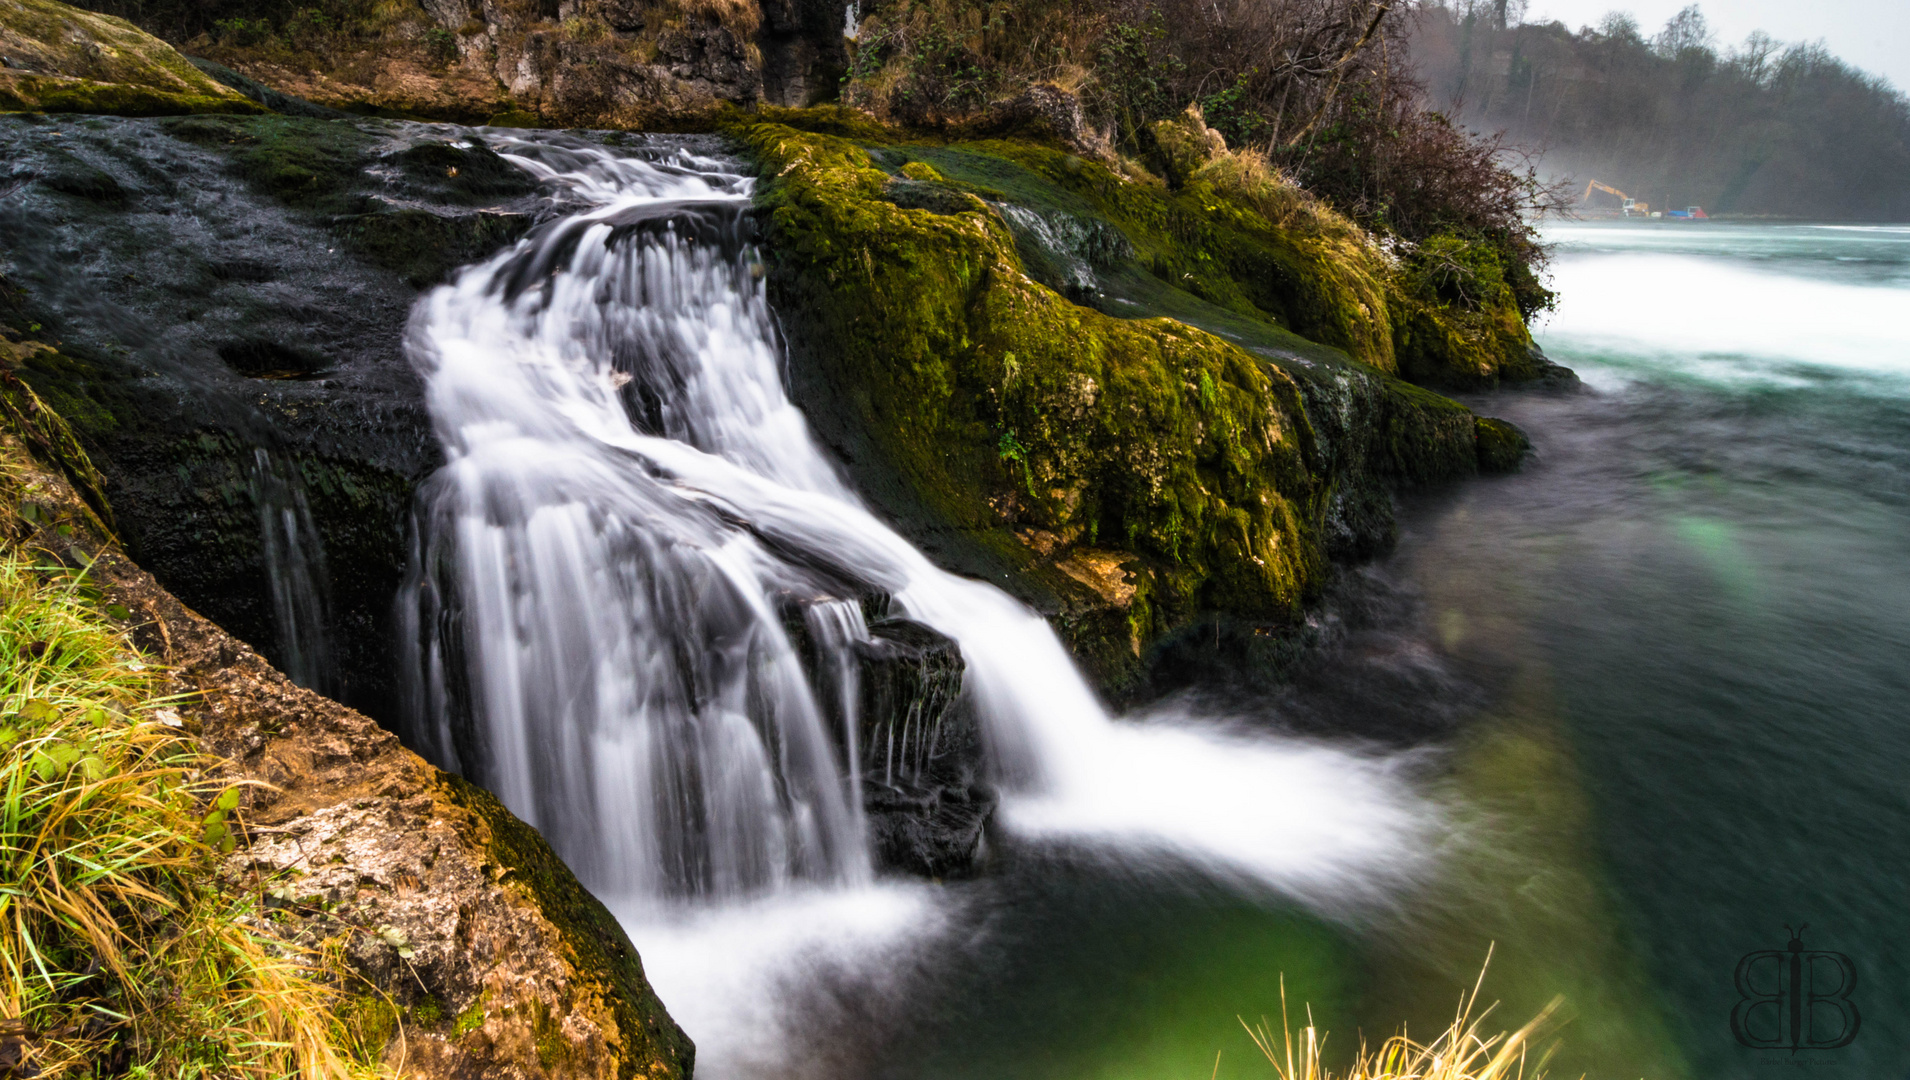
(121, 951)
(1464, 1051)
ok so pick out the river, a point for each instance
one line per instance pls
(1698, 599)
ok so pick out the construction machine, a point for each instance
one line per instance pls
(1629, 206)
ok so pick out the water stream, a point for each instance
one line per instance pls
(630, 505)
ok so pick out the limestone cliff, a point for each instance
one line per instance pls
(572, 63)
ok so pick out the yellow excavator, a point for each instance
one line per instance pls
(1627, 205)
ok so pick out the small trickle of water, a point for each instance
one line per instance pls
(295, 571)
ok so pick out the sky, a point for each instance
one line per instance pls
(1871, 34)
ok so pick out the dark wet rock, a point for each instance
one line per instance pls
(220, 304)
(922, 754)
(917, 738)
(1502, 446)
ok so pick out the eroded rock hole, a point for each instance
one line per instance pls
(270, 360)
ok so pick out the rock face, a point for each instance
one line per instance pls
(497, 961)
(55, 58)
(574, 63)
(897, 702)
(223, 302)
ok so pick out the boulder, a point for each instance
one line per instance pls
(60, 59)
(922, 757)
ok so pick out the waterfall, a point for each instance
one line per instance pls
(630, 508)
(295, 571)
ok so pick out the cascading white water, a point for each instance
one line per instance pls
(618, 641)
(630, 511)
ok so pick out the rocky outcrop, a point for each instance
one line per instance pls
(222, 303)
(483, 954)
(922, 756)
(55, 58)
(575, 63)
(892, 692)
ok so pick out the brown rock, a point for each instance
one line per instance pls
(437, 891)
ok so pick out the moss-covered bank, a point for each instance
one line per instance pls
(1139, 472)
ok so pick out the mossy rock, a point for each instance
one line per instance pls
(467, 174)
(65, 60)
(1133, 474)
(1502, 446)
(605, 963)
(308, 164)
(1455, 321)
(424, 247)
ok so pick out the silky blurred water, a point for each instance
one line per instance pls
(1619, 718)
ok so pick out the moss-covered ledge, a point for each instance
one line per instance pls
(1130, 475)
(61, 59)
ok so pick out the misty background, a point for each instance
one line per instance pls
(1671, 114)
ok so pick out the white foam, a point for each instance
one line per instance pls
(1690, 310)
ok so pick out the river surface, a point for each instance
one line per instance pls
(1621, 719)
(1702, 591)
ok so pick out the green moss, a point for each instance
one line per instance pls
(651, 1045)
(427, 1012)
(305, 163)
(51, 94)
(469, 1020)
(43, 429)
(1502, 446)
(1048, 432)
(1199, 240)
(1147, 434)
(547, 1034)
(368, 1023)
(1456, 320)
(515, 118)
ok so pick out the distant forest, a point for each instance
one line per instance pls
(1672, 118)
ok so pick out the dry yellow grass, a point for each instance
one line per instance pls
(1463, 1051)
(117, 940)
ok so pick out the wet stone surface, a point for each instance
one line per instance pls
(227, 299)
